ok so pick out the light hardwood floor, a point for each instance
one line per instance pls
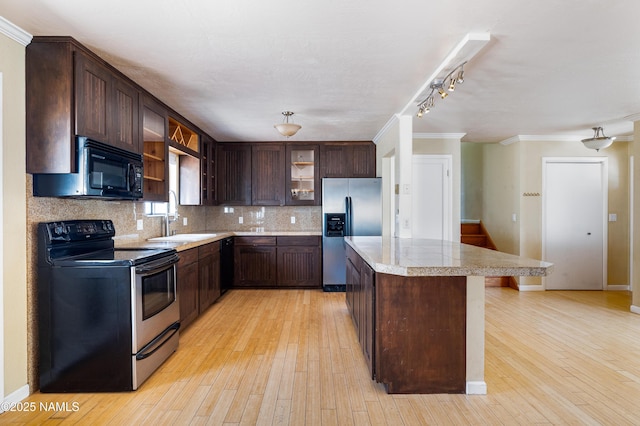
(292, 357)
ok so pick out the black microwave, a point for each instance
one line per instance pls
(104, 172)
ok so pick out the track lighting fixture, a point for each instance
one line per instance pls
(456, 76)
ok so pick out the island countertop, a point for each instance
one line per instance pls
(425, 257)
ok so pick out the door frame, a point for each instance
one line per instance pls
(447, 190)
(604, 175)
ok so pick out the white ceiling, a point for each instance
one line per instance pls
(346, 67)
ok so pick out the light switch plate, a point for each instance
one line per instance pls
(184, 221)
(293, 219)
(240, 219)
(140, 224)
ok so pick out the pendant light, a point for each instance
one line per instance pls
(285, 128)
(599, 140)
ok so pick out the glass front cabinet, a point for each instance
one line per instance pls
(303, 184)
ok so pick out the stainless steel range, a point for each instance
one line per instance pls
(108, 318)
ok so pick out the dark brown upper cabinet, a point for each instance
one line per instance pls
(155, 149)
(234, 173)
(208, 167)
(70, 91)
(303, 172)
(348, 159)
(251, 173)
(106, 105)
(267, 174)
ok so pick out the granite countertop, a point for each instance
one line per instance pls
(423, 257)
(186, 241)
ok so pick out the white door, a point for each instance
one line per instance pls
(574, 223)
(431, 201)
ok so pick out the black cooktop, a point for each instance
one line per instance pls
(116, 257)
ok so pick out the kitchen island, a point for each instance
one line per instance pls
(418, 309)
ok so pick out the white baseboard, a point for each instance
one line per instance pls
(15, 397)
(476, 388)
(618, 287)
(522, 287)
(635, 309)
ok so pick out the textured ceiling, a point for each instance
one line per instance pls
(345, 68)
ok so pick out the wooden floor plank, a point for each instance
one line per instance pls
(292, 357)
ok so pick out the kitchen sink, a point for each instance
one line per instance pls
(184, 237)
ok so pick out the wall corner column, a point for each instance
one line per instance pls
(404, 170)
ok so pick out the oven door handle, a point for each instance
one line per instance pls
(157, 265)
(158, 342)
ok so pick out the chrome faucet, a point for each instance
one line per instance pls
(167, 221)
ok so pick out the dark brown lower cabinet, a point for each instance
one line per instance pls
(209, 274)
(412, 330)
(198, 278)
(254, 261)
(359, 295)
(299, 261)
(187, 276)
(283, 261)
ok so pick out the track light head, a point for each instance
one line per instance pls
(460, 77)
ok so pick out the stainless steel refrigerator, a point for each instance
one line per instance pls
(350, 207)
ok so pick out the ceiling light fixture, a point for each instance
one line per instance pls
(455, 76)
(599, 140)
(285, 128)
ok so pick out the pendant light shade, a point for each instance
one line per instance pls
(285, 128)
(599, 140)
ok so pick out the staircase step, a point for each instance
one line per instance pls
(470, 228)
(475, 240)
(473, 233)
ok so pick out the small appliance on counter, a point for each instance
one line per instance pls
(107, 317)
(350, 207)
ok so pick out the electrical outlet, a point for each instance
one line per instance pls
(140, 224)
(184, 221)
(240, 219)
(293, 219)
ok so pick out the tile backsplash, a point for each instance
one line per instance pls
(126, 214)
(264, 219)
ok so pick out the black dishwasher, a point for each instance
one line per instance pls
(226, 264)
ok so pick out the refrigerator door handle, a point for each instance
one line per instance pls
(348, 224)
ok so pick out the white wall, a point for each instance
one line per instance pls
(512, 178)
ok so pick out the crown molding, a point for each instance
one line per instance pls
(555, 138)
(457, 136)
(14, 32)
(394, 119)
(633, 117)
(541, 138)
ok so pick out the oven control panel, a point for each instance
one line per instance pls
(79, 230)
